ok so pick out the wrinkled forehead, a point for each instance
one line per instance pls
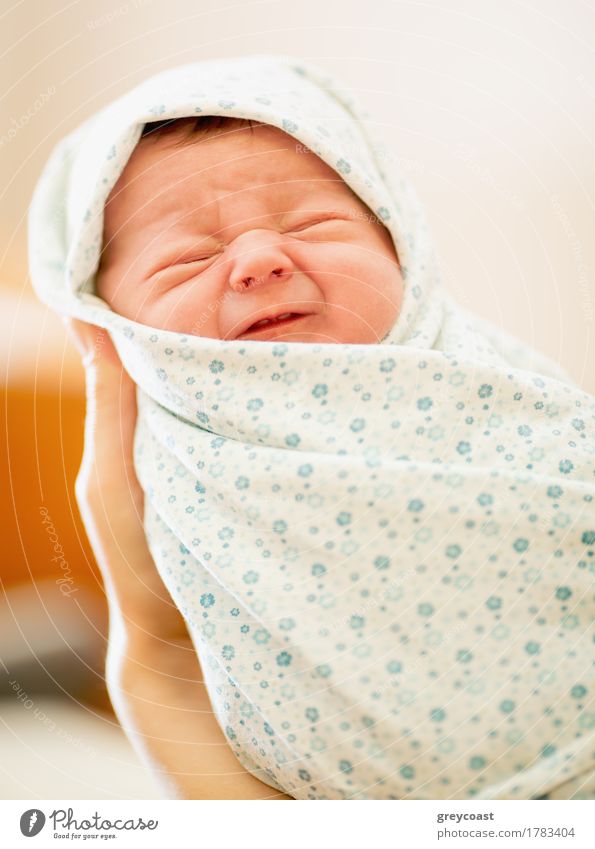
(178, 172)
(261, 155)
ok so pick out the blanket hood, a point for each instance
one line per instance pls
(381, 551)
(298, 98)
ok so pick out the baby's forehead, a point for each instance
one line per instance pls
(266, 155)
(164, 175)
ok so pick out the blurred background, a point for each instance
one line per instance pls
(491, 110)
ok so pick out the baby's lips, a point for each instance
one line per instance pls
(270, 326)
(297, 308)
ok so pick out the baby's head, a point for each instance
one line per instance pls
(218, 223)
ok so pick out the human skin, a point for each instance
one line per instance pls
(153, 673)
(207, 236)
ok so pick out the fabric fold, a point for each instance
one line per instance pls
(384, 553)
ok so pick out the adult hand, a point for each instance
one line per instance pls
(153, 673)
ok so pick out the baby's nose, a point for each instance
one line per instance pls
(258, 262)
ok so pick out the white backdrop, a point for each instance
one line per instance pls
(490, 106)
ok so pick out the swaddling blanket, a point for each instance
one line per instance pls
(384, 553)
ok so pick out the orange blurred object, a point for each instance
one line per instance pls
(54, 621)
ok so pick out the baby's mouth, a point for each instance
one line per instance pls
(267, 326)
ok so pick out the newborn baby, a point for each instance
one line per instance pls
(229, 229)
(380, 546)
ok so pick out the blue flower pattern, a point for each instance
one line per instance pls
(386, 559)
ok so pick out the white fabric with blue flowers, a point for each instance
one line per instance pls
(384, 553)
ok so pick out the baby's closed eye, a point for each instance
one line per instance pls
(316, 222)
(204, 257)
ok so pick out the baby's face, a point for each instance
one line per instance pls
(208, 237)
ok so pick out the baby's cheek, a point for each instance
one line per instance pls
(380, 293)
(190, 308)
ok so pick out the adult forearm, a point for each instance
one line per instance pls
(156, 686)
